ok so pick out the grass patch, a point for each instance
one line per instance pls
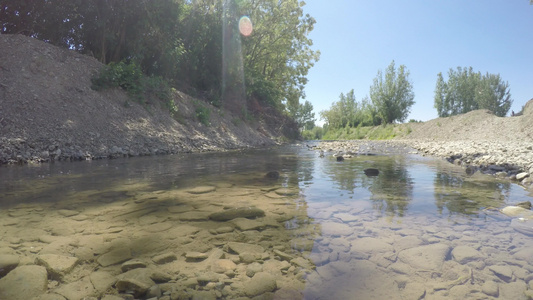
(382, 132)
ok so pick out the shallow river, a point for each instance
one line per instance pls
(421, 229)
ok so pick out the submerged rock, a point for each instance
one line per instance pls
(523, 226)
(24, 282)
(233, 213)
(261, 283)
(516, 211)
(272, 175)
(371, 172)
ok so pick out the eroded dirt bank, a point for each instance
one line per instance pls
(48, 111)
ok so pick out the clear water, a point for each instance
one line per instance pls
(357, 232)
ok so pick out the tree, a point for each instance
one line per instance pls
(304, 116)
(393, 95)
(494, 94)
(348, 112)
(467, 90)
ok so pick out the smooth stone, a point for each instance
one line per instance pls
(525, 254)
(233, 213)
(490, 288)
(57, 265)
(465, 254)
(261, 283)
(253, 268)
(223, 266)
(427, 257)
(516, 211)
(79, 289)
(115, 256)
(371, 172)
(246, 224)
(245, 248)
(336, 229)
(503, 272)
(164, 258)
(132, 264)
(521, 176)
(8, 262)
(136, 280)
(24, 282)
(283, 255)
(195, 256)
(159, 276)
(370, 245)
(202, 189)
(302, 262)
(523, 226)
(102, 280)
(287, 192)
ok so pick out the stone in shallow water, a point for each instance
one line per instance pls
(523, 226)
(202, 189)
(137, 281)
(57, 265)
(503, 272)
(516, 211)
(24, 282)
(245, 248)
(8, 262)
(195, 256)
(102, 280)
(370, 245)
(428, 257)
(465, 254)
(164, 258)
(113, 257)
(336, 229)
(261, 283)
(233, 213)
(246, 224)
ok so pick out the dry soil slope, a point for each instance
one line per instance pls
(48, 110)
(478, 125)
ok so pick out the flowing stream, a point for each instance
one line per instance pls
(421, 229)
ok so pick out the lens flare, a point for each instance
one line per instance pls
(245, 26)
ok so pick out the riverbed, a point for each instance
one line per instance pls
(295, 225)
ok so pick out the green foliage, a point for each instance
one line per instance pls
(467, 90)
(184, 42)
(349, 112)
(139, 87)
(392, 95)
(316, 133)
(303, 115)
(382, 132)
(202, 114)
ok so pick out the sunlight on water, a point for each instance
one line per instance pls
(421, 229)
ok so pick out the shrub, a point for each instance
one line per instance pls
(202, 114)
(130, 78)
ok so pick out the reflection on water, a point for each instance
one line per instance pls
(422, 229)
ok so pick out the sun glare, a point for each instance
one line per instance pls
(245, 26)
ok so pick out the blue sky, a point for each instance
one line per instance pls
(357, 38)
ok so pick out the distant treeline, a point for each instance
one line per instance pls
(391, 98)
(194, 45)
